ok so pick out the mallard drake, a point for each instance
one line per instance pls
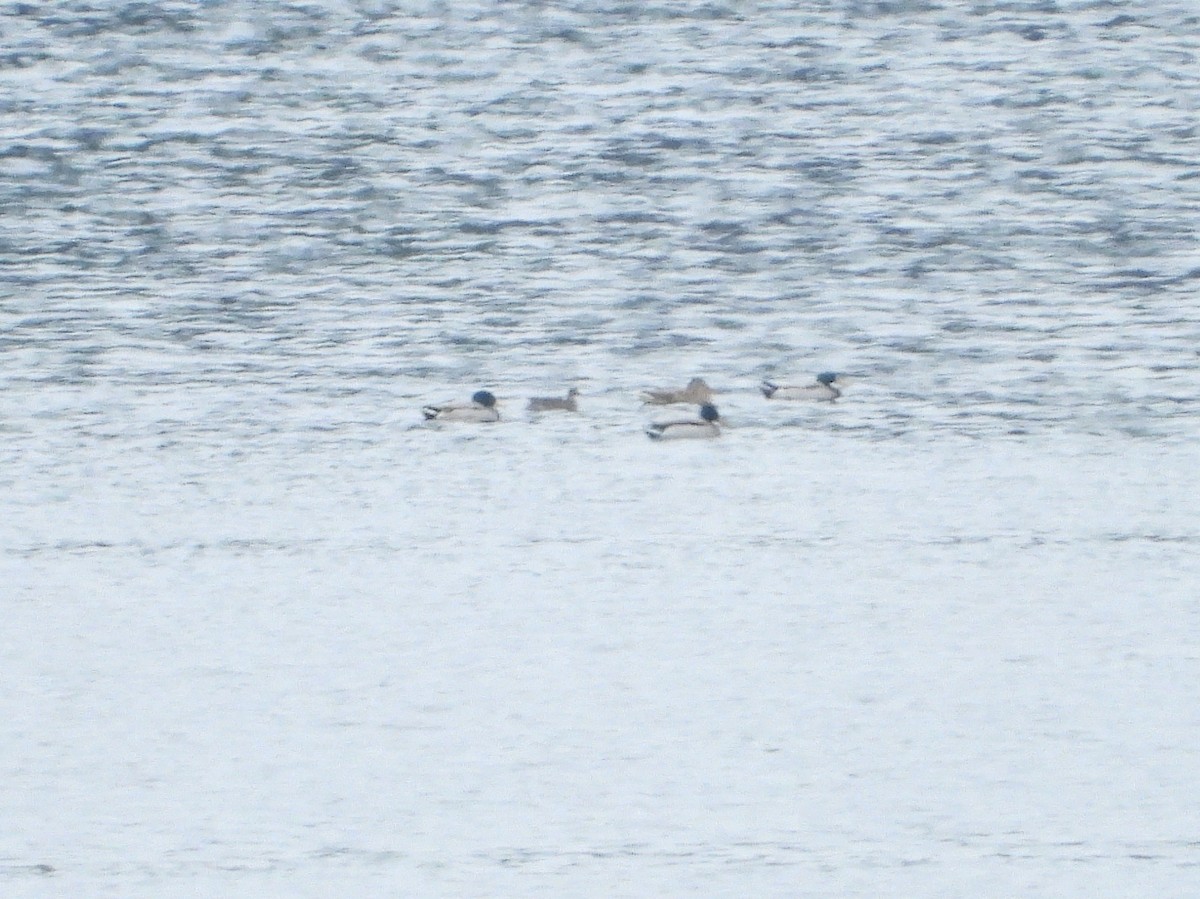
(823, 389)
(704, 426)
(553, 403)
(696, 392)
(481, 408)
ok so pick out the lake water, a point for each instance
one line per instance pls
(269, 634)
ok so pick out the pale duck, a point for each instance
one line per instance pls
(696, 392)
(482, 408)
(552, 403)
(690, 428)
(823, 389)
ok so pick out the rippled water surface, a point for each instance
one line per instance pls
(268, 633)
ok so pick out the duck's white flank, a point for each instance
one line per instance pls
(705, 426)
(823, 388)
(482, 408)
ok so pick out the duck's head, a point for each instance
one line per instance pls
(709, 412)
(827, 377)
(572, 393)
(483, 398)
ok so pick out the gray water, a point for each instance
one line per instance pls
(267, 633)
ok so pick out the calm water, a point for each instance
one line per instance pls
(269, 634)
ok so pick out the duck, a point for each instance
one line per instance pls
(822, 389)
(696, 392)
(689, 428)
(482, 408)
(552, 403)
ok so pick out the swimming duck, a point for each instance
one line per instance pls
(704, 426)
(551, 403)
(823, 389)
(696, 392)
(481, 408)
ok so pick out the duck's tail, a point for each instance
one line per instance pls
(768, 389)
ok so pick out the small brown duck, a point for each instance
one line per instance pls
(555, 403)
(696, 393)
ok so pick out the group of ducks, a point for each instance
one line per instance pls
(482, 407)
